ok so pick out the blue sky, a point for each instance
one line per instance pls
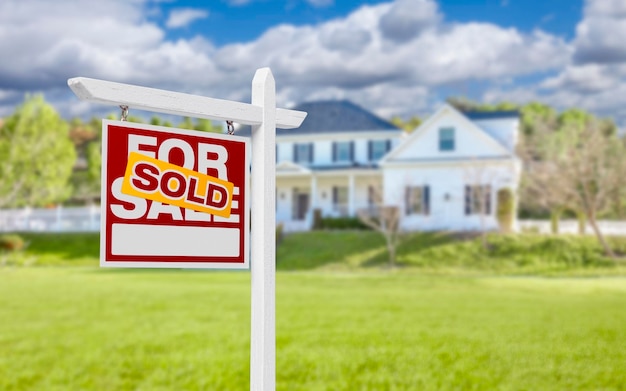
(394, 57)
(227, 24)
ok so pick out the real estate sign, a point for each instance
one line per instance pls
(173, 198)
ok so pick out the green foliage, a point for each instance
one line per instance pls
(280, 228)
(317, 219)
(205, 125)
(154, 120)
(506, 209)
(408, 125)
(36, 156)
(318, 249)
(85, 329)
(11, 242)
(341, 223)
(94, 164)
(467, 105)
(527, 253)
(187, 123)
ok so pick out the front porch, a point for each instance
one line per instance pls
(335, 192)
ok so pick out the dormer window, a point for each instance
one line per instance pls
(446, 139)
(343, 151)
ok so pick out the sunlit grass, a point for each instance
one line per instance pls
(90, 329)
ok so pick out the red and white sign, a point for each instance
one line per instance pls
(173, 198)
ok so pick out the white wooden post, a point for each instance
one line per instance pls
(263, 236)
(264, 117)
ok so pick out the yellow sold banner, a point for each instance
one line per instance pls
(168, 183)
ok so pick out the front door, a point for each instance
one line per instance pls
(301, 205)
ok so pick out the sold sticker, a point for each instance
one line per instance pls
(161, 181)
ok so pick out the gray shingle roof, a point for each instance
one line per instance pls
(485, 115)
(332, 116)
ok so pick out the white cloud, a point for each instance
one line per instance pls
(388, 58)
(182, 17)
(600, 35)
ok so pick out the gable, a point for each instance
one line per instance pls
(470, 141)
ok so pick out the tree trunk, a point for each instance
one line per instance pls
(607, 249)
(555, 216)
(391, 249)
(582, 222)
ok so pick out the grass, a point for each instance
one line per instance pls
(438, 253)
(77, 328)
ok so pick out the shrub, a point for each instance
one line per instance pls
(506, 209)
(342, 223)
(11, 242)
(317, 219)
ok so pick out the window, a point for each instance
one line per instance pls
(446, 139)
(376, 149)
(340, 200)
(478, 199)
(303, 153)
(417, 200)
(343, 151)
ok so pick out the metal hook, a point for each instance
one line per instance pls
(124, 112)
(230, 127)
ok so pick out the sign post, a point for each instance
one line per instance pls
(264, 117)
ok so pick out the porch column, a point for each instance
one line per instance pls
(313, 192)
(351, 195)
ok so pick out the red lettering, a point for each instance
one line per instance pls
(170, 176)
(191, 194)
(211, 196)
(147, 177)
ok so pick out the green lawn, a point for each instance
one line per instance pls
(82, 328)
(434, 253)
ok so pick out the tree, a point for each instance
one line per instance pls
(409, 125)
(206, 125)
(36, 156)
(579, 166)
(479, 179)
(384, 219)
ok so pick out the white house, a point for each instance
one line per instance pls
(446, 174)
(342, 156)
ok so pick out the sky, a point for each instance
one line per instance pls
(400, 57)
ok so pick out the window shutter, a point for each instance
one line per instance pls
(310, 152)
(407, 201)
(426, 200)
(335, 195)
(295, 153)
(351, 151)
(334, 151)
(388, 146)
(369, 150)
(468, 200)
(487, 199)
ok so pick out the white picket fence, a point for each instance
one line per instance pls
(58, 219)
(87, 219)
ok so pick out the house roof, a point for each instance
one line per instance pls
(332, 116)
(424, 126)
(486, 115)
